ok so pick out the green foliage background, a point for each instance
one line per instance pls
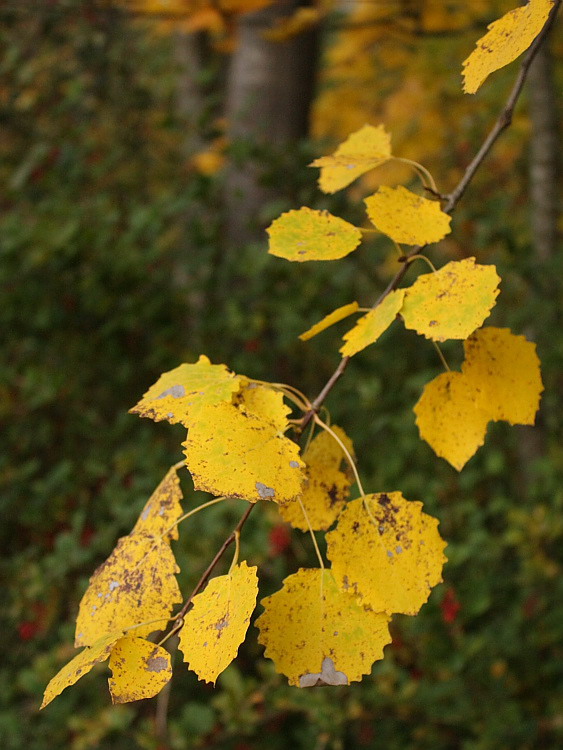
(112, 271)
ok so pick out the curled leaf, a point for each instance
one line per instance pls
(363, 150)
(217, 623)
(370, 327)
(307, 234)
(389, 554)
(451, 303)
(318, 635)
(406, 217)
(162, 508)
(140, 669)
(334, 317)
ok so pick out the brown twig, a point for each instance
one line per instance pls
(503, 121)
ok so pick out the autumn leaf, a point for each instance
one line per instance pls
(135, 584)
(318, 635)
(217, 623)
(389, 554)
(140, 669)
(178, 395)
(406, 217)
(451, 303)
(79, 666)
(451, 419)
(327, 486)
(370, 327)
(261, 401)
(162, 508)
(307, 234)
(506, 39)
(505, 371)
(363, 150)
(334, 317)
(236, 453)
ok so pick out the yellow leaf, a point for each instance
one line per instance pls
(238, 454)
(327, 487)
(307, 234)
(162, 508)
(506, 39)
(79, 666)
(391, 557)
(263, 402)
(217, 623)
(334, 317)
(136, 584)
(451, 303)
(140, 669)
(370, 327)
(301, 20)
(451, 419)
(505, 371)
(363, 150)
(317, 635)
(406, 217)
(178, 395)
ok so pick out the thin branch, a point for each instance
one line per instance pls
(503, 121)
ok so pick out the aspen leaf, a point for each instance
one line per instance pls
(162, 508)
(178, 395)
(451, 419)
(406, 217)
(334, 317)
(217, 623)
(318, 635)
(370, 327)
(363, 150)
(79, 666)
(307, 234)
(140, 669)
(506, 39)
(135, 584)
(263, 402)
(505, 371)
(451, 303)
(327, 487)
(238, 454)
(391, 557)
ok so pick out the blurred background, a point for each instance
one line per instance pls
(144, 147)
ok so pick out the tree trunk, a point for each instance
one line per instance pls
(270, 89)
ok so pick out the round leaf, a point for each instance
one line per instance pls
(140, 669)
(406, 217)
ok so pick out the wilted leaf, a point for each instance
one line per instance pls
(505, 371)
(370, 327)
(162, 508)
(450, 418)
(237, 454)
(451, 303)
(315, 634)
(178, 395)
(391, 557)
(506, 39)
(334, 317)
(140, 669)
(307, 234)
(217, 623)
(406, 217)
(327, 487)
(79, 666)
(361, 151)
(136, 584)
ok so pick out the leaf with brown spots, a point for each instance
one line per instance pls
(318, 635)
(217, 623)
(136, 584)
(327, 486)
(451, 303)
(389, 554)
(236, 453)
(178, 395)
(140, 669)
(162, 508)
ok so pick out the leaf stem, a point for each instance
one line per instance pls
(425, 176)
(441, 355)
(345, 450)
(312, 533)
(190, 513)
